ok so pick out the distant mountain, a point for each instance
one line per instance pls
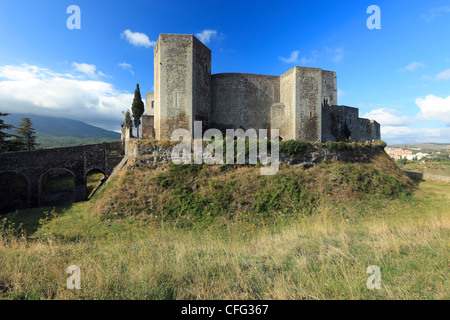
(61, 132)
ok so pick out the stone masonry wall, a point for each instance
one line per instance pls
(242, 100)
(308, 111)
(201, 83)
(173, 84)
(154, 156)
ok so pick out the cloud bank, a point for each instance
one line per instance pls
(397, 129)
(31, 89)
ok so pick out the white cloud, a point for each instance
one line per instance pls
(397, 129)
(306, 61)
(138, 39)
(126, 66)
(334, 54)
(32, 89)
(444, 75)
(434, 108)
(413, 66)
(337, 54)
(206, 36)
(340, 93)
(292, 59)
(435, 12)
(387, 117)
(338, 57)
(405, 134)
(88, 69)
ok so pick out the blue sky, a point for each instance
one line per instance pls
(398, 75)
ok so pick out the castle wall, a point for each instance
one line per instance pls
(150, 103)
(326, 124)
(201, 85)
(301, 103)
(173, 84)
(334, 120)
(329, 87)
(148, 129)
(240, 100)
(308, 109)
(156, 87)
(365, 129)
(288, 99)
(375, 130)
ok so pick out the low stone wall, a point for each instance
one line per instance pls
(426, 176)
(154, 156)
(429, 176)
(414, 175)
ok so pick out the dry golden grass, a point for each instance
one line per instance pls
(323, 256)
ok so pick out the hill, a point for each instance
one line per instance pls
(422, 146)
(62, 132)
(225, 232)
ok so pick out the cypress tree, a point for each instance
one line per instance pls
(137, 108)
(128, 122)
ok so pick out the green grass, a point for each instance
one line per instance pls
(317, 249)
(60, 182)
(435, 166)
(92, 181)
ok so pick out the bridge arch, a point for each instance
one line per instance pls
(94, 178)
(57, 186)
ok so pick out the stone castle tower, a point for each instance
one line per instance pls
(301, 103)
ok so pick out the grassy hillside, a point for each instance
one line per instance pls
(62, 132)
(436, 166)
(227, 233)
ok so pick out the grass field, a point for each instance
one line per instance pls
(321, 253)
(433, 166)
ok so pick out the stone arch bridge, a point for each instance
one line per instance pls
(79, 161)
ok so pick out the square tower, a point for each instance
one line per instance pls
(182, 84)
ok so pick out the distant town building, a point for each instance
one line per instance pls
(398, 153)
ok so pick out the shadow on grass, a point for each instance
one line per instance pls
(28, 220)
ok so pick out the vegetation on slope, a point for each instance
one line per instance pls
(187, 195)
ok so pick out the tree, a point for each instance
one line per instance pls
(26, 134)
(4, 143)
(346, 133)
(137, 108)
(128, 122)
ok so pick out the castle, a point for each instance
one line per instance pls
(301, 103)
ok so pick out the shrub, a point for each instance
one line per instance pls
(380, 143)
(293, 147)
